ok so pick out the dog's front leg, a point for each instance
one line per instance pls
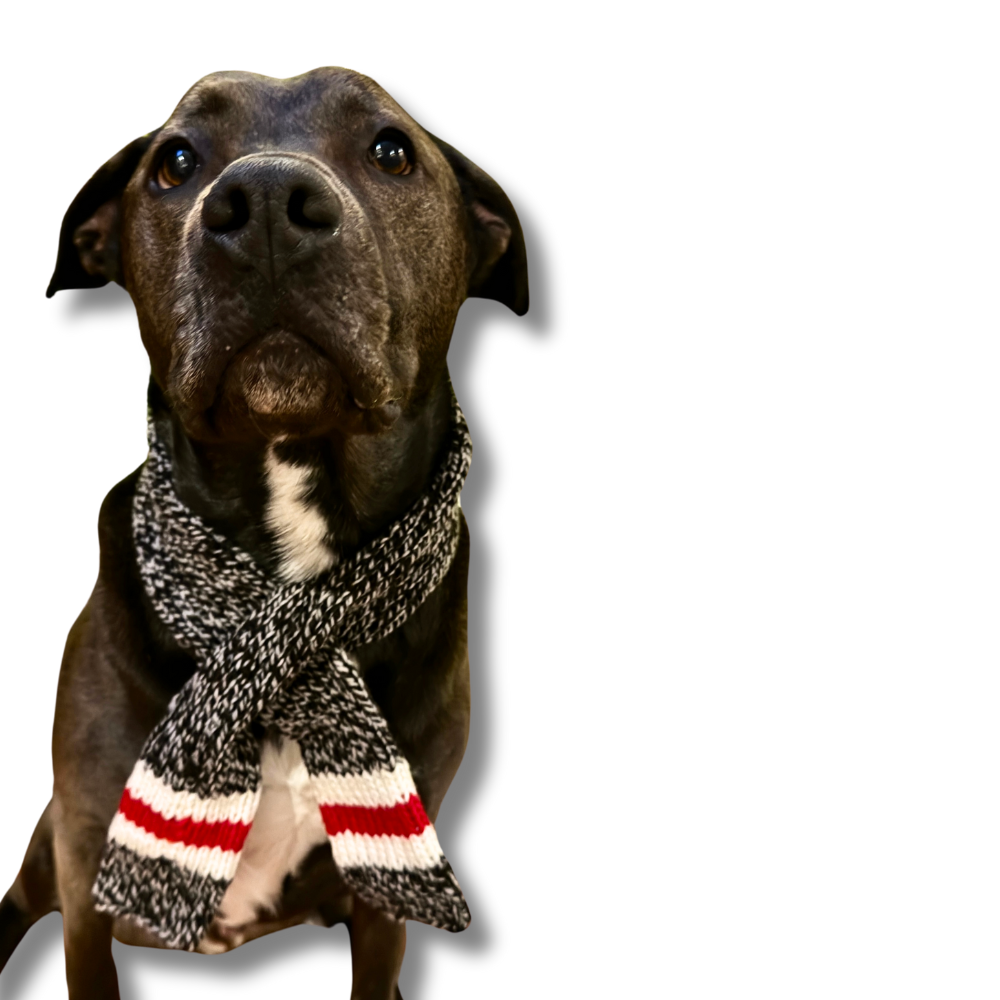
(90, 969)
(377, 945)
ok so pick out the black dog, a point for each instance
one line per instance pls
(297, 252)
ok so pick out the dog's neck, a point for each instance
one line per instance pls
(298, 505)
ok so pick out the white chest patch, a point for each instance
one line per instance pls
(286, 827)
(288, 824)
(300, 529)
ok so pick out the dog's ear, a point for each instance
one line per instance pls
(500, 265)
(89, 242)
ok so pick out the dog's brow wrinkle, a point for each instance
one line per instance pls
(208, 100)
(300, 529)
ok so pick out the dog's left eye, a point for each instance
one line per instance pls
(391, 153)
(177, 166)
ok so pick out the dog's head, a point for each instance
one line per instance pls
(297, 251)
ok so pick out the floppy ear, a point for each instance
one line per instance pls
(500, 264)
(89, 242)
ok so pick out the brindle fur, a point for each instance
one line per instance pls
(339, 355)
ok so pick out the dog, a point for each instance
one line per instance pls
(297, 252)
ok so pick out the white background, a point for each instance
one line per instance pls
(734, 500)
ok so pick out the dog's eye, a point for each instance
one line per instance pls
(392, 153)
(177, 166)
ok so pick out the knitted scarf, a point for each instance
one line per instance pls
(277, 654)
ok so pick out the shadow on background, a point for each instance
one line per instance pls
(82, 303)
(243, 962)
(468, 336)
(43, 944)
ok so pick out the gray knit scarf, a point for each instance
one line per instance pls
(277, 654)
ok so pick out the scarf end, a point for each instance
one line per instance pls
(176, 905)
(429, 895)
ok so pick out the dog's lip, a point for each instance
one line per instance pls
(276, 332)
(378, 400)
(380, 405)
(376, 404)
(375, 398)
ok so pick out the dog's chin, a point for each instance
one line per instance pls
(280, 385)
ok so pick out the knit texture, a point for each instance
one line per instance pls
(277, 654)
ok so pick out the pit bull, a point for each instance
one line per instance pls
(297, 252)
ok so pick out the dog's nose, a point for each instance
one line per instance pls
(271, 212)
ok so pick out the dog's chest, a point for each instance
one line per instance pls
(286, 827)
(288, 824)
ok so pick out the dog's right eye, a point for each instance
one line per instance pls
(176, 166)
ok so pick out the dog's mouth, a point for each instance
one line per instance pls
(282, 382)
(278, 374)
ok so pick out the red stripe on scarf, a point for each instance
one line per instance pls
(195, 833)
(407, 819)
